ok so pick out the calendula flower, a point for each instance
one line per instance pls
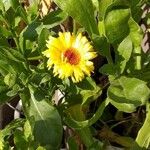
(70, 56)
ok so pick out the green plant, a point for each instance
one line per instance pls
(113, 28)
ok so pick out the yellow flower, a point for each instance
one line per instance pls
(70, 56)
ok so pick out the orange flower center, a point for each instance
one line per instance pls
(72, 56)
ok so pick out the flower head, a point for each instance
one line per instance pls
(70, 56)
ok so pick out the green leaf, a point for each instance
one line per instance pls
(54, 18)
(1, 6)
(108, 69)
(4, 41)
(101, 45)
(84, 92)
(27, 130)
(30, 32)
(101, 28)
(95, 4)
(124, 53)
(20, 140)
(15, 4)
(51, 20)
(10, 79)
(136, 33)
(44, 119)
(72, 143)
(86, 123)
(128, 93)
(7, 4)
(82, 11)
(125, 48)
(12, 54)
(33, 10)
(103, 5)
(3, 91)
(125, 107)
(8, 130)
(116, 23)
(4, 32)
(137, 12)
(136, 37)
(13, 68)
(2, 19)
(97, 145)
(10, 16)
(22, 13)
(136, 9)
(134, 3)
(37, 78)
(14, 91)
(40, 148)
(5, 68)
(1, 141)
(13, 58)
(89, 90)
(28, 43)
(18, 10)
(42, 39)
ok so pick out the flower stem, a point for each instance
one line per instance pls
(138, 58)
(84, 133)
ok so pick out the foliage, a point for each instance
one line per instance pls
(114, 31)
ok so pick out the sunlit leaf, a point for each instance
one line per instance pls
(103, 5)
(4, 32)
(82, 11)
(1, 6)
(7, 4)
(116, 23)
(44, 119)
(127, 93)
(136, 35)
(124, 52)
(10, 79)
(33, 10)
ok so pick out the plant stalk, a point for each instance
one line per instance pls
(143, 137)
(138, 58)
(84, 133)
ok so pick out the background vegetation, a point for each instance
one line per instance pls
(109, 108)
